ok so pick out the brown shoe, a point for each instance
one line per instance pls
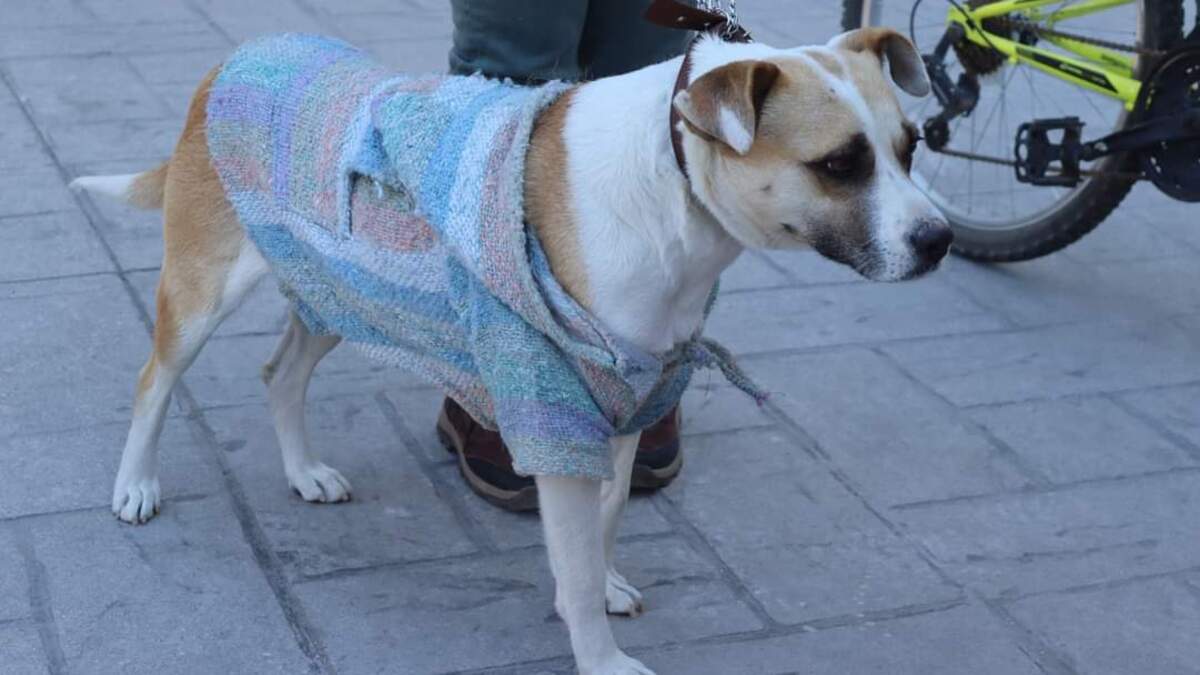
(486, 464)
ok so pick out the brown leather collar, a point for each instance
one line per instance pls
(674, 14)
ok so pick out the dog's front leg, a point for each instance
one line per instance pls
(620, 595)
(571, 514)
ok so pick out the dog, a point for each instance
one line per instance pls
(777, 148)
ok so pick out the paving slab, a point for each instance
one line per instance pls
(76, 344)
(1053, 361)
(22, 651)
(102, 38)
(1176, 408)
(1141, 627)
(80, 89)
(1016, 544)
(498, 610)
(34, 191)
(161, 597)
(14, 581)
(75, 469)
(888, 433)
(1084, 438)
(963, 639)
(856, 313)
(394, 515)
(803, 545)
(51, 244)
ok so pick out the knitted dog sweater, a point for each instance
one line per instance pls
(390, 209)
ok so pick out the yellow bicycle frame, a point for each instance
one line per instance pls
(1093, 67)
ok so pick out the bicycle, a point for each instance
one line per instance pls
(1019, 186)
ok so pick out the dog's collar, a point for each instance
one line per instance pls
(674, 14)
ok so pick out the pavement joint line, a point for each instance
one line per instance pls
(1164, 431)
(1035, 476)
(1048, 489)
(293, 611)
(1190, 588)
(477, 534)
(31, 214)
(303, 630)
(813, 447)
(1041, 654)
(853, 620)
(974, 299)
(701, 545)
(56, 277)
(1177, 575)
(40, 603)
(439, 561)
(1120, 391)
(181, 499)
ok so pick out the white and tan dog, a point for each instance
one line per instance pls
(794, 148)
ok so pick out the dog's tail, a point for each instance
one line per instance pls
(143, 190)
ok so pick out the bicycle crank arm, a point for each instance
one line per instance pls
(1185, 127)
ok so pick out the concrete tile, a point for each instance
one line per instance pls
(712, 406)
(1177, 409)
(964, 639)
(97, 37)
(889, 434)
(802, 544)
(499, 610)
(1143, 627)
(1125, 237)
(1155, 287)
(82, 89)
(149, 140)
(34, 191)
(76, 346)
(394, 515)
(398, 26)
(1039, 292)
(179, 586)
(1099, 532)
(20, 147)
(48, 245)
(23, 653)
(178, 67)
(74, 469)
(419, 407)
(14, 581)
(410, 55)
(228, 372)
(40, 13)
(752, 271)
(135, 235)
(1080, 439)
(811, 317)
(140, 11)
(1054, 361)
(242, 21)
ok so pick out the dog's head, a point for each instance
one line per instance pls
(809, 147)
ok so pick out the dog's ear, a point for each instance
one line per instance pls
(725, 104)
(907, 68)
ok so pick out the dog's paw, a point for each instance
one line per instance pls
(136, 502)
(621, 597)
(319, 483)
(621, 664)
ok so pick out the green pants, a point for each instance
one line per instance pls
(537, 40)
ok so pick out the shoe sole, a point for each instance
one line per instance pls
(519, 501)
(646, 478)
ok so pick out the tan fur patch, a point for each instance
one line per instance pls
(548, 200)
(828, 62)
(804, 119)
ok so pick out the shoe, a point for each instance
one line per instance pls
(486, 464)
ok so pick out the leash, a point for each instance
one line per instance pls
(706, 19)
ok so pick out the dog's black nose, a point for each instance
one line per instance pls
(931, 240)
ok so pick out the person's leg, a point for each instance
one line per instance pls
(616, 39)
(527, 40)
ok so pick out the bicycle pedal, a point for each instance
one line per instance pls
(1042, 161)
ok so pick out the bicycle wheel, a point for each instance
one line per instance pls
(996, 218)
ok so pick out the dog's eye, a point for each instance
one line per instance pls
(842, 165)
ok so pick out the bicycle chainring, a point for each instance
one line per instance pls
(977, 59)
(1173, 89)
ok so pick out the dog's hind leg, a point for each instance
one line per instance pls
(621, 597)
(571, 515)
(287, 375)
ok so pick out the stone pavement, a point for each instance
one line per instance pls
(995, 470)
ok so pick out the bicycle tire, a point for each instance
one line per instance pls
(1084, 209)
